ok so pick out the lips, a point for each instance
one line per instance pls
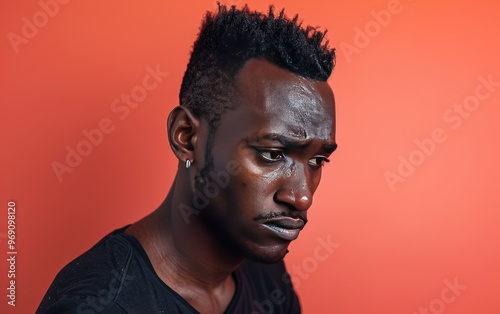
(286, 228)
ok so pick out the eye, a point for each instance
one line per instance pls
(318, 161)
(272, 155)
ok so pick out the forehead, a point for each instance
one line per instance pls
(282, 102)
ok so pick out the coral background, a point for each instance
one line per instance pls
(410, 197)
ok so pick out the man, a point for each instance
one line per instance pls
(254, 127)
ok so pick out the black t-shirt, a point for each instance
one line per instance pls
(116, 276)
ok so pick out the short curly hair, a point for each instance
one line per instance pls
(229, 38)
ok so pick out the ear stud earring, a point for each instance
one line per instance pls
(188, 163)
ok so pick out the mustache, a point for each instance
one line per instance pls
(271, 215)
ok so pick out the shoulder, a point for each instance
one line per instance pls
(114, 276)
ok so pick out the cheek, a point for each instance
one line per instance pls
(258, 185)
(249, 192)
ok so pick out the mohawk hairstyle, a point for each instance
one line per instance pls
(230, 37)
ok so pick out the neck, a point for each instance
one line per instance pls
(185, 254)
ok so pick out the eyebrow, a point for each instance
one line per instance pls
(294, 143)
(330, 148)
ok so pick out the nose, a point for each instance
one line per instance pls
(296, 191)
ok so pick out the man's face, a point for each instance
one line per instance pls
(280, 134)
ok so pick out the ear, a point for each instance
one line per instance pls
(182, 131)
